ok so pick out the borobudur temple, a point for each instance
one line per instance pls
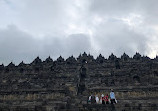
(65, 84)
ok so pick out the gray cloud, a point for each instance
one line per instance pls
(17, 45)
(77, 43)
(147, 8)
(72, 45)
(128, 25)
(118, 38)
(60, 27)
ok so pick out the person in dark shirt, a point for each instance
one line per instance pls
(103, 99)
(93, 99)
(107, 99)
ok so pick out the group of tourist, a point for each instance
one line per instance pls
(104, 99)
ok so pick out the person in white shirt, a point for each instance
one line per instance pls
(89, 99)
(97, 99)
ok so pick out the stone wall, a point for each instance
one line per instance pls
(65, 84)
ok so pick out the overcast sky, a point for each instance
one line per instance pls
(31, 28)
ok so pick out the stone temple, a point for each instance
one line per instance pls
(64, 85)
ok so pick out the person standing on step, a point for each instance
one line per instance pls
(89, 99)
(97, 99)
(103, 99)
(107, 99)
(93, 99)
(112, 97)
